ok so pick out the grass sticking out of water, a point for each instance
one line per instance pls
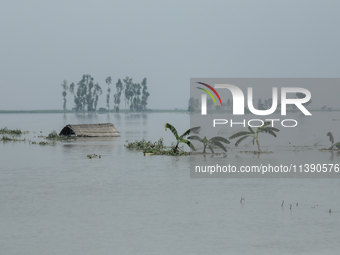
(11, 139)
(54, 136)
(10, 131)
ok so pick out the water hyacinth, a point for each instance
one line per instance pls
(156, 148)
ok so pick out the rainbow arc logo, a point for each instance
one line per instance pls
(209, 93)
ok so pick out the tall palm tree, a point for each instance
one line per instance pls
(215, 141)
(255, 135)
(181, 139)
(331, 139)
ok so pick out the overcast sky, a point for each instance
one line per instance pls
(44, 42)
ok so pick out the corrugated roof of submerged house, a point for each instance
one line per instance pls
(91, 130)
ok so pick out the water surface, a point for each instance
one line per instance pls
(56, 201)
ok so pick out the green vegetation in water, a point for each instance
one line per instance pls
(155, 148)
(47, 143)
(10, 131)
(90, 156)
(181, 139)
(216, 141)
(11, 139)
(54, 136)
(331, 139)
(255, 135)
(143, 144)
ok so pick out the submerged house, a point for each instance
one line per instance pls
(90, 130)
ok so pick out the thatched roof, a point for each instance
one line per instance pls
(90, 130)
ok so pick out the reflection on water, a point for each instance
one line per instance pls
(55, 199)
(333, 154)
(87, 116)
(89, 147)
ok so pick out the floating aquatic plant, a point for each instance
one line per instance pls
(54, 136)
(155, 148)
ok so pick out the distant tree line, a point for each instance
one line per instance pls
(86, 94)
(135, 95)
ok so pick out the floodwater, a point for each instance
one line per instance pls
(56, 201)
